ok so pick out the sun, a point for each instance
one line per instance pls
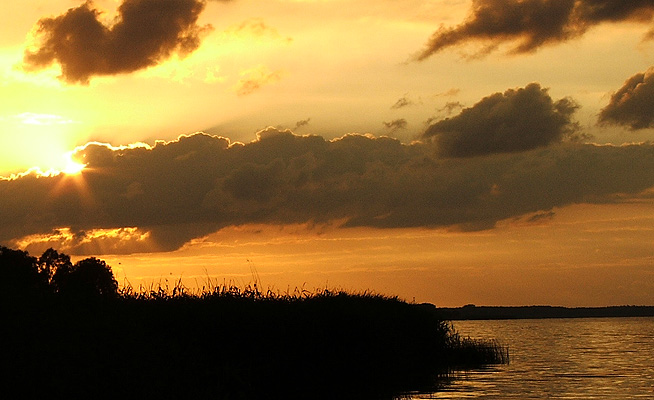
(72, 167)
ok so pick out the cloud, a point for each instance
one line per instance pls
(449, 93)
(534, 23)
(96, 241)
(144, 33)
(302, 123)
(43, 119)
(396, 124)
(157, 198)
(540, 217)
(258, 28)
(596, 11)
(516, 120)
(631, 106)
(450, 106)
(255, 78)
(404, 101)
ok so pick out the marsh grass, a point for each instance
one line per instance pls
(467, 352)
(225, 341)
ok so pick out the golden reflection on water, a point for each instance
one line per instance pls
(598, 358)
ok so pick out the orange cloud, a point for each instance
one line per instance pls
(255, 78)
(258, 28)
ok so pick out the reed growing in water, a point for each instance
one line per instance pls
(229, 342)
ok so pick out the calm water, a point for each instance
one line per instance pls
(599, 358)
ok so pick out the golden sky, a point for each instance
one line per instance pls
(493, 152)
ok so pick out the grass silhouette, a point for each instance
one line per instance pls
(230, 342)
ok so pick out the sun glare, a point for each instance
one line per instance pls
(72, 167)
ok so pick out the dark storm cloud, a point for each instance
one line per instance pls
(185, 189)
(633, 104)
(516, 120)
(534, 23)
(144, 33)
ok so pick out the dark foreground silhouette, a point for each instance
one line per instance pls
(69, 332)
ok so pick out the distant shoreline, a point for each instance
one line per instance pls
(472, 312)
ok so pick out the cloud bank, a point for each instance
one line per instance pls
(144, 33)
(516, 120)
(534, 23)
(632, 105)
(158, 198)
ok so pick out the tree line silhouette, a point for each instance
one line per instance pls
(53, 273)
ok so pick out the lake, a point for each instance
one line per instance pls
(595, 358)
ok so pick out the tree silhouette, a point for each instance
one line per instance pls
(19, 274)
(52, 262)
(88, 278)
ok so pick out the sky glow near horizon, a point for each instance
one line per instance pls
(417, 148)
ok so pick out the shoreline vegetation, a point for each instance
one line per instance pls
(70, 331)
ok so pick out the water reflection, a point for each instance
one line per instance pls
(603, 358)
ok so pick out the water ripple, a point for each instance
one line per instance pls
(598, 358)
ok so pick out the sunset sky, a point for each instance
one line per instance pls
(496, 152)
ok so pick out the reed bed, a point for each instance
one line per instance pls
(470, 353)
(223, 341)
